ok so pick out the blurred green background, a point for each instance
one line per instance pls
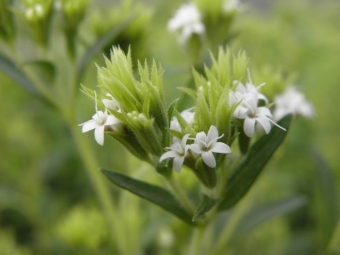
(47, 203)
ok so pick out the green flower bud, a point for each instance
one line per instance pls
(73, 12)
(6, 21)
(38, 14)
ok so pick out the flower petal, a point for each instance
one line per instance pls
(265, 123)
(249, 127)
(209, 159)
(195, 148)
(221, 148)
(111, 120)
(89, 125)
(212, 133)
(168, 154)
(99, 135)
(178, 163)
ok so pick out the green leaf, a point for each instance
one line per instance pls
(263, 213)
(100, 44)
(204, 206)
(152, 193)
(46, 70)
(250, 168)
(12, 70)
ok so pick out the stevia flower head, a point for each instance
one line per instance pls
(187, 21)
(292, 101)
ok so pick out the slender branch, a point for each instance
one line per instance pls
(179, 194)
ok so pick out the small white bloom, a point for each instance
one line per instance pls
(188, 20)
(206, 144)
(252, 114)
(231, 5)
(111, 103)
(249, 88)
(188, 115)
(294, 102)
(178, 150)
(99, 121)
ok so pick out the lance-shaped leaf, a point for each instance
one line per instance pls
(250, 168)
(44, 69)
(263, 213)
(152, 193)
(203, 207)
(100, 44)
(12, 70)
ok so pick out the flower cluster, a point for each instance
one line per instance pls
(133, 111)
(247, 98)
(204, 146)
(292, 101)
(187, 20)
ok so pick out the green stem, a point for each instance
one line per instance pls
(98, 180)
(228, 230)
(179, 194)
(334, 244)
(196, 241)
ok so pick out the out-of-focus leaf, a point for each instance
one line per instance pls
(204, 206)
(327, 188)
(152, 193)
(250, 168)
(266, 212)
(100, 44)
(45, 69)
(12, 70)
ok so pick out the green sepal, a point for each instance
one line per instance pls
(203, 207)
(165, 168)
(205, 174)
(243, 140)
(190, 92)
(152, 193)
(250, 168)
(131, 144)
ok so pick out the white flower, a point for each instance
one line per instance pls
(99, 121)
(111, 103)
(188, 20)
(178, 150)
(249, 88)
(206, 144)
(231, 5)
(252, 114)
(188, 115)
(292, 101)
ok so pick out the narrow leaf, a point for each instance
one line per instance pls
(250, 168)
(46, 70)
(204, 206)
(100, 44)
(264, 213)
(152, 193)
(12, 70)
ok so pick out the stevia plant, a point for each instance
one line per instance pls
(225, 139)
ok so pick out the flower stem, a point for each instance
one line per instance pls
(179, 194)
(228, 230)
(334, 244)
(196, 240)
(98, 180)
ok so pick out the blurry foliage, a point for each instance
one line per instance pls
(45, 193)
